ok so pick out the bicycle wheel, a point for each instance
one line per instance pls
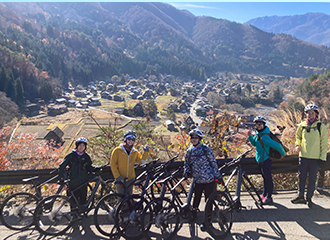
(251, 189)
(218, 215)
(105, 189)
(104, 215)
(128, 215)
(160, 219)
(17, 210)
(53, 215)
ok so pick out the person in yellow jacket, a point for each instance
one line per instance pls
(311, 145)
(122, 162)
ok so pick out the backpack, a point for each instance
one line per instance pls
(318, 127)
(273, 153)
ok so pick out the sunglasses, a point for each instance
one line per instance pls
(258, 124)
(131, 139)
(194, 138)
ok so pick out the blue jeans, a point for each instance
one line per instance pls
(266, 172)
(311, 167)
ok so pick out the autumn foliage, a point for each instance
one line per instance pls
(24, 151)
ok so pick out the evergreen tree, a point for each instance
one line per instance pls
(3, 79)
(248, 87)
(45, 90)
(50, 31)
(11, 89)
(239, 90)
(115, 88)
(19, 91)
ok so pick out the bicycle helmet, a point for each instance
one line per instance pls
(260, 119)
(311, 107)
(196, 132)
(129, 133)
(81, 140)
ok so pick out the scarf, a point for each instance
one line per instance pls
(79, 153)
(310, 121)
(127, 148)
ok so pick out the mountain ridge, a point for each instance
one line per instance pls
(310, 27)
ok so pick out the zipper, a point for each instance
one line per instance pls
(127, 165)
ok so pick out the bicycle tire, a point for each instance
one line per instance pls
(104, 215)
(160, 219)
(251, 189)
(53, 215)
(17, 210)
(128, 217)
(218, 215)
(106, 188)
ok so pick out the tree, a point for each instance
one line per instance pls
(115, 88)
(122, 80)
(150, 108)
(171, 114)
(248, 87)
(3, 79)
(50, 31)
(8, 109)
(19, 91)
(11, 90)
(239, 90)
(278, 94)
(45, 90)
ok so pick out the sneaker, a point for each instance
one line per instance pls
(299, 199)
(309, 202)
(202, 227)
(262, 197)
(267, 201)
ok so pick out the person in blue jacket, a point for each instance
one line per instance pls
(262, 158)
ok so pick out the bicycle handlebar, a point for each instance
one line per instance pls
(235, 160)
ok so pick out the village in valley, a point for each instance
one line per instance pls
(181, 104)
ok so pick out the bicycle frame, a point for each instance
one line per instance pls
(99, 180)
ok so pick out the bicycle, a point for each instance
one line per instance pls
(164, 213)
(104, 214)
(17, 210)
(118, 215)
(55, 214)
(220, 205)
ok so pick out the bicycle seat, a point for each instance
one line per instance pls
(30, 179)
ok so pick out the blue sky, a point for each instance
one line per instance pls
(243, 11)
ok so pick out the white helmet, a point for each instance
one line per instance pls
(260, 119)
(196, 132)
(81, 140)
(311, 107)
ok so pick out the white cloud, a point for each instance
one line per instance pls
(184, 5)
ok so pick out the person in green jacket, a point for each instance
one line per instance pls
(311, 145)
(262, 156)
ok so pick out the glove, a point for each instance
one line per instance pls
(120, 179)
(146, 148)
(60, 181)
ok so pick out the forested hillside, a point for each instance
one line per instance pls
(46, 45)
(310, 27)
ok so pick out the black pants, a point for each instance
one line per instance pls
(80, 195)
(199, 188)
